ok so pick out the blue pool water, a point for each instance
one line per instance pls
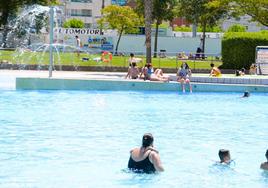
(82, 139)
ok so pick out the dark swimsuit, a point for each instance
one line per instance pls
(144, 166)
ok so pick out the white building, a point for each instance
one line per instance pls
(89, 11)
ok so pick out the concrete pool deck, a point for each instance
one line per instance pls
(66, 80)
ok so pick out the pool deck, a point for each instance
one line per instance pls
(202, 78)
(25, 79)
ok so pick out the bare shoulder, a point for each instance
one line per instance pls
(134, 149)
(154, 155)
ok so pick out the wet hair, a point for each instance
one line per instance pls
(223, 153)
(76, 36)
(246, 94)
(266, 154)
(211, 64)
(147, 140)
(131, 55)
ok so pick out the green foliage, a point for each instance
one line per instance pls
(162, 25)
(257, 9)
(183, 29)
(237, 28)
(74, 23)
(121, 18)
(238, 49)
(163, 10)
(213, 29)
(204, 12)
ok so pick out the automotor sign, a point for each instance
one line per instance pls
(78, 31)
(91, 39)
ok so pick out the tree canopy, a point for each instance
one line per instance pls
(257, 9)
(120, 18)
(237, 28)
(74, 23)
(162, 10)
(204, 12)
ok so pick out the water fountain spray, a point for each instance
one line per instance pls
(51, 33)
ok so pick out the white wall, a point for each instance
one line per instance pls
(170, 44)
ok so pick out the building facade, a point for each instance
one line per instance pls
(89, 11)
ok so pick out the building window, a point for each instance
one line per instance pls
(81, 1)
(81, 12)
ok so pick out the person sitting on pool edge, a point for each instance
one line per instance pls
(264, 165)
(145, 159)
(133, 71)
(215, 71)
(183, 76)
(225, 157)
(148, 73)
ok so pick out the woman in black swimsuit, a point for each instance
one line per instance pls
(145, 159)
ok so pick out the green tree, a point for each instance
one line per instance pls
(10, 8)
(237, 28)
(74, 23)
(121, 18)
(162, 11)
(257, 9)
(205, 12)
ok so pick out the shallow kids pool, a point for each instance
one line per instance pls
(82, 139)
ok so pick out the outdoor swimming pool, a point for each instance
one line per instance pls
(83, 138)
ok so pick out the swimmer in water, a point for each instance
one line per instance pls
(246, 94)
(264, 165)
(146, 158)
(225, 157)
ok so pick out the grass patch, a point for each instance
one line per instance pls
(39, 58)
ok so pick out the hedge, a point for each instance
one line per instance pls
(238, 49)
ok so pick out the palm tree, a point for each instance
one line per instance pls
(148, 8)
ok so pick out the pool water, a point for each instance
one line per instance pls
(83, 138)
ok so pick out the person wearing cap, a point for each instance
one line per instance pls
(264, 165)
(145, 159)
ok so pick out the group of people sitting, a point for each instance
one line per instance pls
(183, 75)
(147, 72)
(146, 159)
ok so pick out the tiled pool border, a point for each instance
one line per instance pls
(127, 85)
